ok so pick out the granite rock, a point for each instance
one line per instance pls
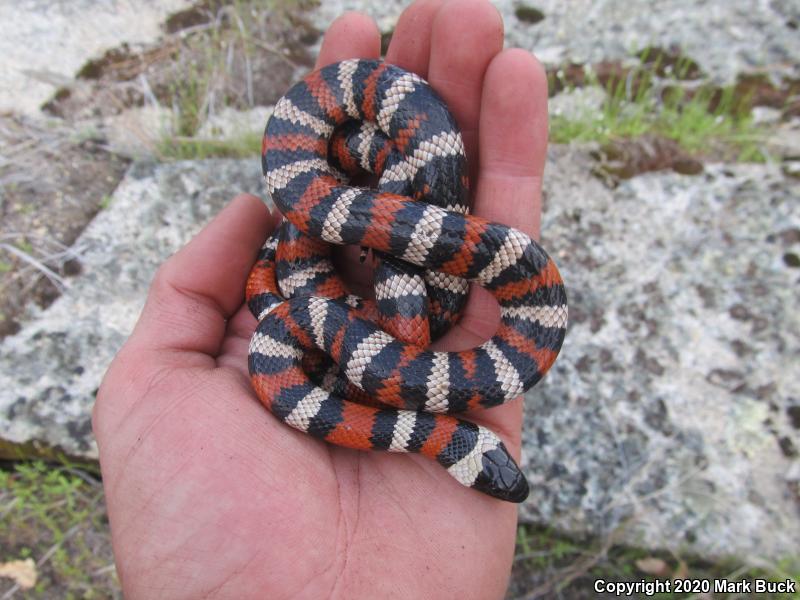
(672, 412)
(50, 370)
(725, 37)
(230, 123)
(43, 43)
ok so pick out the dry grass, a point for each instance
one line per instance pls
(551, 565)
(708, 122)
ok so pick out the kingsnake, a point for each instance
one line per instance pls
(355, 372)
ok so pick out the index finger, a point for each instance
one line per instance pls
(466, 35)
(513, 141)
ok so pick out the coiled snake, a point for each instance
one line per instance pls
(355, 372)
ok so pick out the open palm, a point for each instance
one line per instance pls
(208, 494)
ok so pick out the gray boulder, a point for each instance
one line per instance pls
(43, 44)
(50, 370)
(673, 410)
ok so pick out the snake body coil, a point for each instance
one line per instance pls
(356, 372)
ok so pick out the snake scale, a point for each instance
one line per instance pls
(356, 372)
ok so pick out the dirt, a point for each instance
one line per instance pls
(201, 13)
(762, 92)
(670, 62)
(608, 74)
(676, 78)
(626, 158)
(528, 14)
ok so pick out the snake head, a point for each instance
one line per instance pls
(501, 477)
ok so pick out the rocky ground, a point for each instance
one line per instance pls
(671, 419)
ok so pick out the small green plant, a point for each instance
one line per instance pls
(200, 85)
(707, 122)
(189, 94)
(54, 514)
(245, 145)
(217, 66)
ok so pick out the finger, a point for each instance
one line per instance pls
(195, 291)
(353, 35)
(513, 141)
(410, 47)
(466, 35)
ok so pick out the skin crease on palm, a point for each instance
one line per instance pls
(208, 495)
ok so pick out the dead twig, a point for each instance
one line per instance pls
(51, 275)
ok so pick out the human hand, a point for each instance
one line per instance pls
(208, 494)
